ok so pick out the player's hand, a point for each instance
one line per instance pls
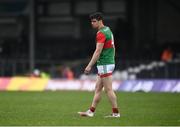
(87, 70)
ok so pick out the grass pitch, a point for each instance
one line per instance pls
(61, 107)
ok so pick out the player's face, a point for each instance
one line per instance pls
(95, 23)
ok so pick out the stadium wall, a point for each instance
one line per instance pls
(43, 84)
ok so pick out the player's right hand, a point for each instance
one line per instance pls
(87, 70)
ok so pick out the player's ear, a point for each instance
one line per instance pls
(99, 22)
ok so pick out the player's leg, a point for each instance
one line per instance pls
(106, 77)
(97, 93)
(107, 83)
(96, 99)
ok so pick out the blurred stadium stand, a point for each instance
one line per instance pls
(64, 37)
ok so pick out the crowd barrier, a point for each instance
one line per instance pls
(42, 84)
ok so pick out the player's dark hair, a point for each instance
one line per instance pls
(96, 15)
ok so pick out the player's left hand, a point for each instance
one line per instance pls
(87, 70)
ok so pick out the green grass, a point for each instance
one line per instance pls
(61, 107)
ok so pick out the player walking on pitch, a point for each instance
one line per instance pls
(104, 57)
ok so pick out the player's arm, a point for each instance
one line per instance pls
(100, 39)
(95, 57)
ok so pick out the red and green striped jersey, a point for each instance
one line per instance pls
(104, 35)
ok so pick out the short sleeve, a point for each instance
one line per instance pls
(100, 37)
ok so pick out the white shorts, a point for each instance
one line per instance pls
(105, 70)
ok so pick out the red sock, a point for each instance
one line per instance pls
(92, 109)
(115, 110)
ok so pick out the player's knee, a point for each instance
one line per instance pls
(98, 89)
(108, 90)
